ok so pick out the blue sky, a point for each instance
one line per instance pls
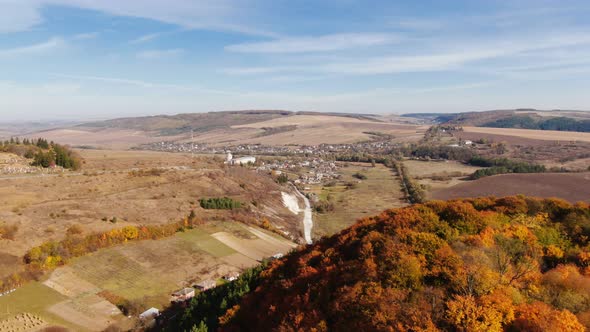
(91, 59)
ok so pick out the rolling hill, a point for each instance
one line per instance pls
(272, 127)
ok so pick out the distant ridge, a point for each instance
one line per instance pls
(523, 118)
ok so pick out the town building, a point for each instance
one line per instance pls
(230, 160)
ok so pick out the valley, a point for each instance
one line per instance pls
(311, 176)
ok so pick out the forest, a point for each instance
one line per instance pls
(484, 264)
(526, 122)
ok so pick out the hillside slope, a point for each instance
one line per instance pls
(511, 264)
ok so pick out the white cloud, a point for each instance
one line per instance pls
(18, 15)
(33, 49)
(159, 54)
(333, 42)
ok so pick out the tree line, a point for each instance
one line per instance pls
(502, 166)
(44, 153)
(52, 254)
(526, 122)
(220, 203)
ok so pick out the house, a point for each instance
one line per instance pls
(150, 313)
(231, 276)
(206, 284)
(184, 294)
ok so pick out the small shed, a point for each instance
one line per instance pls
(150, 313)
(231, 276)
(206, 284)
(184, 294)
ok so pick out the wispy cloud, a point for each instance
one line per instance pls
(258, 70)
(333, 42)
(145, 38)
(451, 57)
(85, 36)
(39, 48)
(139, 83)
(160, 54)
(219, 15)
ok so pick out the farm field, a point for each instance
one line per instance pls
(569, 186)
(436, 175)
(544, 135)
(119, 188)
(144, 272)
(20, 302)
(318, 129)
(379, 191)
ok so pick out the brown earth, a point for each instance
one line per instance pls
(569, 186)
(118, 188)
(545, 135)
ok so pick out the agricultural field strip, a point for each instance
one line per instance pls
(546, 135)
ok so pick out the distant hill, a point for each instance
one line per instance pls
(561, 120)
(507, 264)
(168, 125)
(270, 127)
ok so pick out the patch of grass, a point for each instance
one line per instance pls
(379, 191)
(198, 239)
(112, 271)
(34, 298)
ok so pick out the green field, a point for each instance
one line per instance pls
(199, 240)
(379, 191)
(151, 268)
(33, 298)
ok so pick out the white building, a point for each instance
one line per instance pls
(150, 313)
(230, 160)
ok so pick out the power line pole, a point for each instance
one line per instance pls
(192, 144)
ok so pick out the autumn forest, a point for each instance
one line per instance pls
(485, 264)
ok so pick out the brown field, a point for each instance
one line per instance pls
(436, 175)
(134, 188)
(544, 135)
(569, 186)
(419, 168)
(110, 138)
(318, 129)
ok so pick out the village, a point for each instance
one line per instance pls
(374, 146)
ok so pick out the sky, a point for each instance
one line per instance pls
(98, 59)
